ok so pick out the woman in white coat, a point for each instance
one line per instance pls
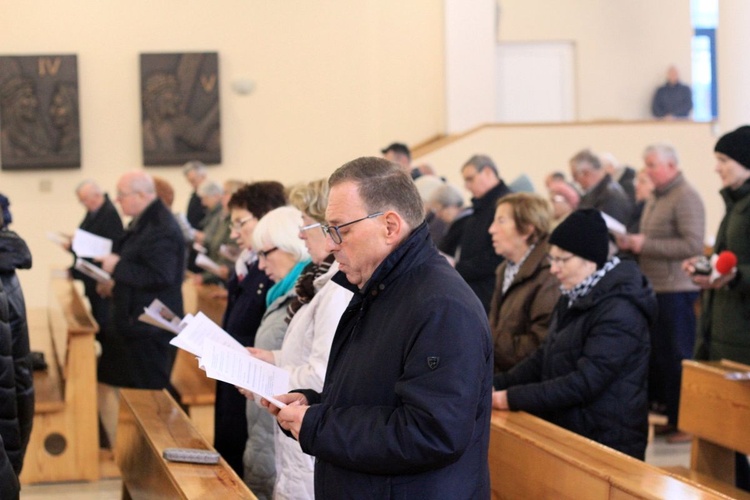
(314, 316)
(283, 257)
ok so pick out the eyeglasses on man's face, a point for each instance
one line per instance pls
(335, 234)
(237, 224)
(558, 260)
(263, 254)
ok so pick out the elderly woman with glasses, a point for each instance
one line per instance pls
(246, 303)
(282, 255)
(525, 291)
(590, 374)
(313, 316)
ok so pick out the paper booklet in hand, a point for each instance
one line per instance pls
(613, 225)
(205, 263)
(157, 314)
(229, 252)
(92, 270)
(87, 244)
(225, 359)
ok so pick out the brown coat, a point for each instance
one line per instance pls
(519, 319)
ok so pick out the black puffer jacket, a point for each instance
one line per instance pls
(17, 383)
(590, 374)
(8, 480)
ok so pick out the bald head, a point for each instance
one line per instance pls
(135, 191)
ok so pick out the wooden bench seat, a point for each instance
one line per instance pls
(151, 421)
(48, 386)
(531, 458)
(64, 442)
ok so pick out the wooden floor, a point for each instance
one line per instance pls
(659, 453)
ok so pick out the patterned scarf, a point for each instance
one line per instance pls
(511, 269)
(584, 287)
(305, 286)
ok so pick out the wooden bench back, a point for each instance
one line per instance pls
(151, 421)
(531, 458)
(716, 411)
(197, 393)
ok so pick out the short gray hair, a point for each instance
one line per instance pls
(382, 186)
(194, 166)
(210, 188)
(88, 183)
(480, 162)
(586, 156)
(664, 151)
(447, 195)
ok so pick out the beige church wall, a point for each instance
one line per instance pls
(536, 150)
(334, 80)
(622, 48)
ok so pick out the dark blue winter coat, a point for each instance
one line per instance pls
(406, 404)
(590, 374)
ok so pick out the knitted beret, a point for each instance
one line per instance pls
(736, 145)
(584, 234)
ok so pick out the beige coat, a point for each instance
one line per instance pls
(674, 223)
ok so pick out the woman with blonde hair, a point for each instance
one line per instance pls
(313, 317)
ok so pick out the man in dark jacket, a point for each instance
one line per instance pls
(600, 191)
(18, 414)
(405, 409)
(102, 220)
(476, 260)
(148, 264)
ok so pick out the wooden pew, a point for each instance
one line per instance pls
(151, 421)
(531, 458)
(716, 411)
(198, 392)
(64, 443)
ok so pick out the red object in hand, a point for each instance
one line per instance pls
(726, 262)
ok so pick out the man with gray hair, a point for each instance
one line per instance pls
(215, 232)
(600, 191)
(476, 260)
(405, 407)
(102, 220)
(672, 229)
(147, 264)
